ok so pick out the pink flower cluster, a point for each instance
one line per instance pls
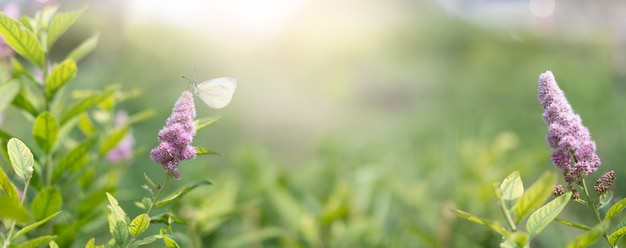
(176, 136)
(575, 152)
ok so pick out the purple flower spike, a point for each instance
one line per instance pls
(575, 152)
(176, 136)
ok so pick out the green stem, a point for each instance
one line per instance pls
(507, 216)
(49, 169)
(156, 198)
(154, 202)
(7, 240)
(591, 204)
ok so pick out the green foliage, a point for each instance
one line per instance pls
(86, 104)
(539, 219)
(61, 75)
(7, 187)
(36, 242)
(84, 48)
(61, 172)
(45, 131)
(204, 122)
(139, 225)
(118, 221)
(22, 39)
(32, 226)
(113, 139)
(46, 202)
(516, 204)
(61, 23)
(13, 210)
(22, 160)
(180, 193)
(535, 196)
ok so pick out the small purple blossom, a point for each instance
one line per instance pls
(558, 190)
(575, 152)
(176, 136)
(604, 183)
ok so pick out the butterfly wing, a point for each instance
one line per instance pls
(216, 93)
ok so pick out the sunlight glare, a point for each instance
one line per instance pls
(259, 17)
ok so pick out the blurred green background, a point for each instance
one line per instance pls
(359, 123)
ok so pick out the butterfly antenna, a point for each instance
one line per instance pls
(189, 82)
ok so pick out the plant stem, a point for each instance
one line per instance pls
(7, 240)
(156, 198)
(591, 204)
(154, 201)
(507, 216)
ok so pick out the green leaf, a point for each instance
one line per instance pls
(8, 92)
(86, 104)
(113, 139)
(149, 180)
(85, 125)
(511, 189)
(11, 209)
(539, 219)
(535, 196)
(515, 240)
(30, 227)
(181, 193)
(8, 187)
(22, 40)
(84, 48)
(139, 224)
(167, 219)
(204, 151)
(46, 203)
(605, 199)
(53, 244)
(92, 244)
(75, 158)
(148, 240)
(45, 130)
(588, 238)
(21, 158)
(36, 242)
(169, 242)
(572, 224)
(145, 202)
(23, 102)
(616, 236)
(41, 21)
(204, 122)
(118, 222)
(60, 23)
(493, 225)
(60, 76)
(615, 209)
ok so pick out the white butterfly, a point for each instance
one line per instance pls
(216, 93)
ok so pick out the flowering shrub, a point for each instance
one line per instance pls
(62, 173)
(176, 136)
(575, 154)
